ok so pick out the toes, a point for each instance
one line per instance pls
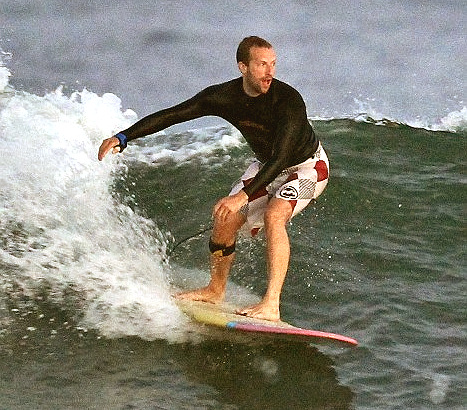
(243, 312)
(258, 312)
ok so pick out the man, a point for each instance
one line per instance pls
(291, 167)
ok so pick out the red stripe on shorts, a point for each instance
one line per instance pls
(321, 170)
(292, 177)
(293, 203)
(256, 195)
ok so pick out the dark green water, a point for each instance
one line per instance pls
(379, 257)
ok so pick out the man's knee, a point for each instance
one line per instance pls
(225, 231)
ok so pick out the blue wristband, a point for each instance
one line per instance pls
(123, 140)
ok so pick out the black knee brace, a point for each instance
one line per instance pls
(221, 250)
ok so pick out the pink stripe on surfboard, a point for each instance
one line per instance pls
(248, 327)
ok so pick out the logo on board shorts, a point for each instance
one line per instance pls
(288, 192)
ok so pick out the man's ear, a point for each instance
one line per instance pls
(242, 67)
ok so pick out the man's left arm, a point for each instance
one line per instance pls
(290, 125)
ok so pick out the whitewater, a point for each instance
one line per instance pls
(62, 227)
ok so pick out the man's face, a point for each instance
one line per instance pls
(258, 74)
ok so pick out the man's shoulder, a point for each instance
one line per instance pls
(220, 95)
(285, 93)
(285, 88)
(231, 85)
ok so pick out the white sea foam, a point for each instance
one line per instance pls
(4, 75)
(439, 388)
(60, 225)
(206, 145)
(452, 122)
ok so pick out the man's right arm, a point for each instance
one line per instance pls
(193, 108)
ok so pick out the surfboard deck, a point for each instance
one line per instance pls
(224, 316)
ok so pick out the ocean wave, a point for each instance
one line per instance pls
(455, 121)
(61, 225)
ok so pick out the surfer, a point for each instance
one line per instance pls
(290, 169)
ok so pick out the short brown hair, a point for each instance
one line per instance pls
(243, 50)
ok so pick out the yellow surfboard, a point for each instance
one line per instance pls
(224, 316)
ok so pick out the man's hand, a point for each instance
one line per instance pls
(108, 144)
(229, 205)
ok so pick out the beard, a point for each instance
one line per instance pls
(259, 86)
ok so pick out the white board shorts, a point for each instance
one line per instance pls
(299, 184)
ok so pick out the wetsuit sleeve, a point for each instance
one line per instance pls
(195, 107)
(291, 126)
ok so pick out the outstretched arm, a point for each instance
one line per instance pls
(195, 107)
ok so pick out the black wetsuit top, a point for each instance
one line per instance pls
(274, 124)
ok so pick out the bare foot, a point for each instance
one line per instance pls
(261, 311)
(202, 295)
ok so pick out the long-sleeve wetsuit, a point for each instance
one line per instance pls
(274, 124)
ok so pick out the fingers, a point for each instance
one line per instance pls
(229, 205)
(108, 144)
(221, 211)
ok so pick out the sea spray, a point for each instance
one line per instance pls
(454, 121)
(63, 229)
(4, 74)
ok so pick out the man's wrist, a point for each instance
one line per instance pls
(122, 139)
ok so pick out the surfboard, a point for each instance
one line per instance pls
(224, 316)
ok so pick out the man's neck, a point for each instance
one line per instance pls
(248, 90)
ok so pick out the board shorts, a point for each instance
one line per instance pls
(299, 184)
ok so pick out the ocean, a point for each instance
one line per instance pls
(91, 251)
